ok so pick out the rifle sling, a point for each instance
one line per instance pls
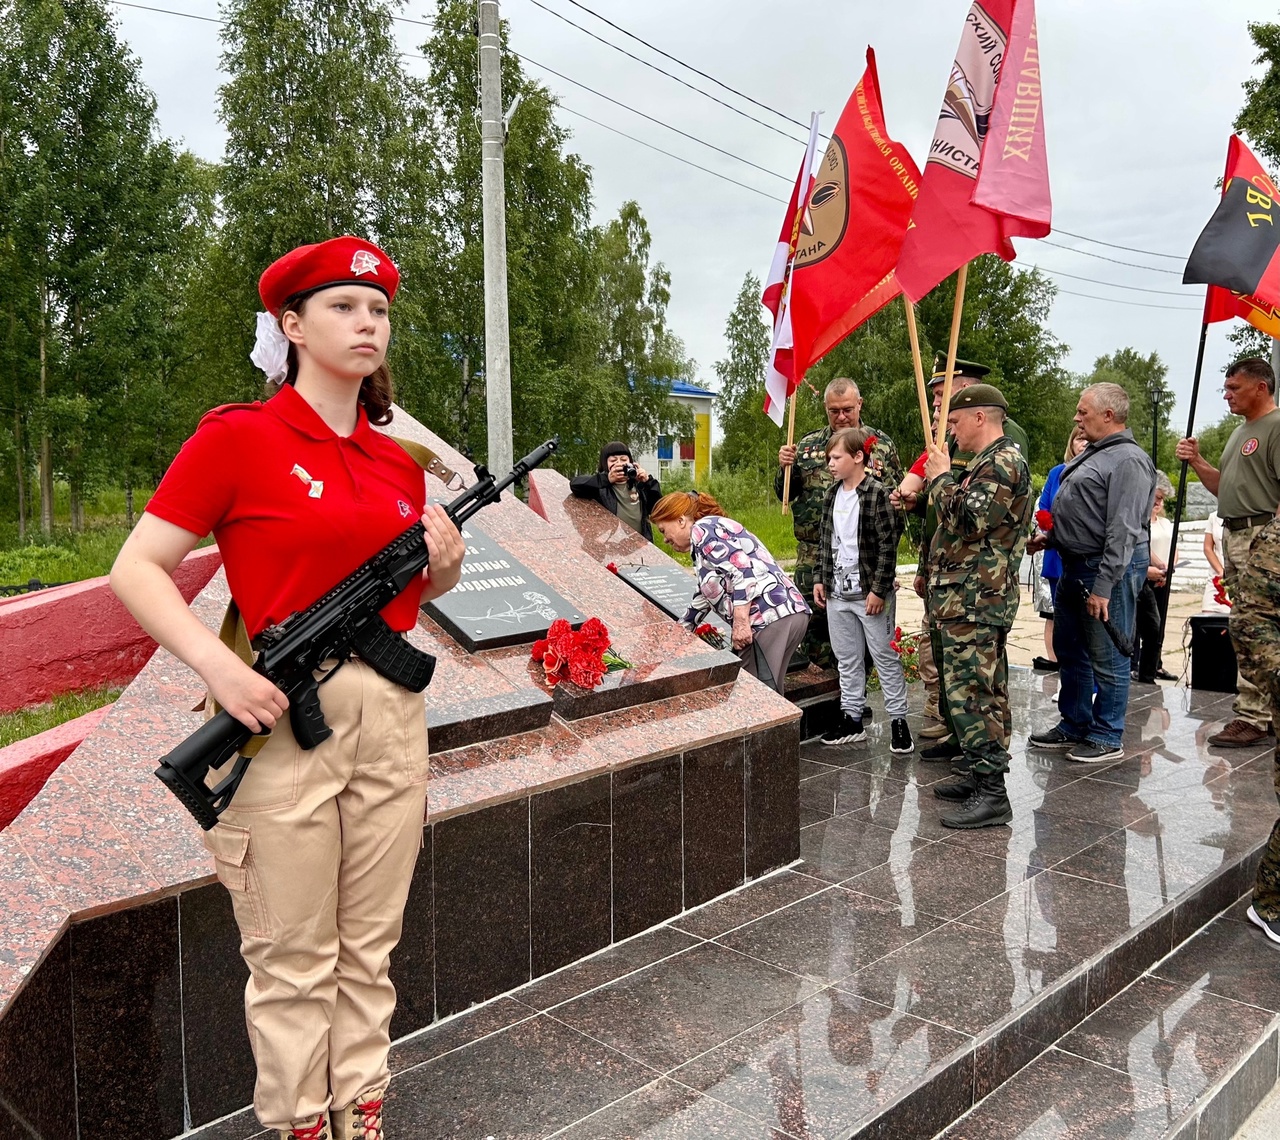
(234, 634)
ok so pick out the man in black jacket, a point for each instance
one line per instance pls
(620, 486)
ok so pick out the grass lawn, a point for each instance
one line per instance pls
(29, 722)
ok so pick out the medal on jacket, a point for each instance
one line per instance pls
(315, 487)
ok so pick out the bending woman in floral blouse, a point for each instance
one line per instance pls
(739, 579)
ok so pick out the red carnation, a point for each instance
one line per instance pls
(612, 567)
(539, 649)
(594, 635)
(1044, 520)
(870, 443)
(585, 669)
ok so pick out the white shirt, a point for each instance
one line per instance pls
(844, 529)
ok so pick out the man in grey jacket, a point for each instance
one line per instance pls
(1101, 519)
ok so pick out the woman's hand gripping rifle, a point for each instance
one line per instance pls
(345, 621)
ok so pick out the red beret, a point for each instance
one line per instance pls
(338, 261)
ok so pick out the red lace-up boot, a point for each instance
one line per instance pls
(318, 1129)
(361, 1120)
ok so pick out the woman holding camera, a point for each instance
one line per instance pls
(621, 487)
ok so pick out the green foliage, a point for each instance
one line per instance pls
(63, 556)
(1140, 376)
(1259, 118)
(1213, 439)
(25, 723)
(748, 438)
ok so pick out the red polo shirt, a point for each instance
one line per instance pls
(294, 507)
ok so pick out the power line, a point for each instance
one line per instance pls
(1110, 284)
(1104, 257)
(689, 67)
(214, 20)
(659, 122)
(1126, 248)
(661, 71)
(678, 158)
(1139, 304)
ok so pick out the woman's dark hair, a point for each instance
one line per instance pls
(376, 393)
(617, 447)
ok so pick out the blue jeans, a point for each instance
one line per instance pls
(1093, 675)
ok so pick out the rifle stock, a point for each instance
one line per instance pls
(344, 620)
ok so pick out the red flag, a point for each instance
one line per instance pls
(987, 178)
(780, 377)
(1236, 255)
(861, 202)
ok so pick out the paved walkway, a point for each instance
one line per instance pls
(802, 1006)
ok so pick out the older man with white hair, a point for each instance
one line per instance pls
(1101, 520)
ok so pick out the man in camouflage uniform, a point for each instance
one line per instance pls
(809, 482)
(984, 516)
(967, 373)
(1255, 630)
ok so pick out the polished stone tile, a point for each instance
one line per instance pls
(839, 849)
(1004, 1050)
(665, 1110)
(1235, 960)
(242, 1126)
(526, 1081)
(772, 820)
(1178, 1036)
(684, 1005)
(647, 846)
(811, 768)
(127, 1006)
(755, 900)
(618, 961)
(958, 976)
(215, 1040)
(821, 1067)
(482, 905)
(1095, 801)
(940, 879)
(1035, 841)
(714, 825)
(1068, 1098)
(1224, 1115)
(456, 1032)
(830, 935)
(1145, 945)
(413, 961)
(1062, 916)
(849, 789)
(37, 1062)
(570, 849)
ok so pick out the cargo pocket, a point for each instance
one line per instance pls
(271, 780)
(234, 867)
(417, 760)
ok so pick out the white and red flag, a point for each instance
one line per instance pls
(987, 176)
(780, 379)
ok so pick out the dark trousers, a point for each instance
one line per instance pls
(1153, 604)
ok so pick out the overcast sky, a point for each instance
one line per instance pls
(1139, 100)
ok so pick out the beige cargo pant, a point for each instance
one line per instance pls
(1252, 704)
(318, 849)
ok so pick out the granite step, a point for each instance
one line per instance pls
(1186, 1052)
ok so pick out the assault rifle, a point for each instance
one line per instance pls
(344, 621)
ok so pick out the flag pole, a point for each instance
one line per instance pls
(962, 276)
(921, 391)
(1182, 474)
(791, 438)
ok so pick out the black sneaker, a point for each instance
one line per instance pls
(1270, 926)
(944, 750)
(1055, 739)
(1088, 752)
(846, 730)
(900, 736)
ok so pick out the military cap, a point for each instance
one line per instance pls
(339, 261)
(979, 396)
(966, 368)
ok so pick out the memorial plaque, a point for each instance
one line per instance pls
(498, 600)
(670, 588)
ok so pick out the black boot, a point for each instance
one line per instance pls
(988, 806)
(958, 790)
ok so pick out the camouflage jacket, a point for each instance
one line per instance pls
(810, 478)
(984, 519)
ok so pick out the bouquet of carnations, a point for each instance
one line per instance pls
(1220, 594)
(582, 656)
(710, 634)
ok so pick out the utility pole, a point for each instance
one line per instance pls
(497, 335)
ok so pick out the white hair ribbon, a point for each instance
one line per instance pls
(270, 349)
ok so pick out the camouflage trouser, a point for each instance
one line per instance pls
(928, 667)
(1253, 702)
(973, 680)
(817, 641)
(1255, 629)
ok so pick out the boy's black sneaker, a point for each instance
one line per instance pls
(900, 736)
(846, 730)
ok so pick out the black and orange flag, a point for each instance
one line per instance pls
(1236, 255)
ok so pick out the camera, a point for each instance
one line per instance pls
(629, 470)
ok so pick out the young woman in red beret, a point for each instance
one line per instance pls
(317, 847)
